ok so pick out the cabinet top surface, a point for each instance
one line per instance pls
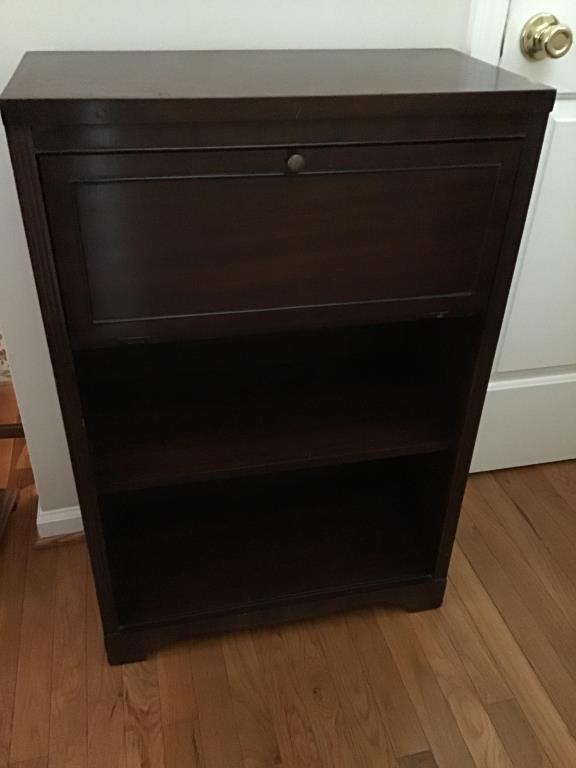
(160, 75)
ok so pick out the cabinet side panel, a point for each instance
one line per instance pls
(33, 214)
(493, 321)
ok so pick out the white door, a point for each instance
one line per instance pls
(530, 411)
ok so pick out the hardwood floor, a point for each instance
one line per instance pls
(10, 425)
(487, 681)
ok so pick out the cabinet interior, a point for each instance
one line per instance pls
(167, 414)
(320, 458)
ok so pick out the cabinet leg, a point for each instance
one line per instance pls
(426, 597)
(128, 648)
(122, 649)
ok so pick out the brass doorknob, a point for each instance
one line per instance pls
(543, 35)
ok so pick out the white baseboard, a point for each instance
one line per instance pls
(528, 418)
(58, 522)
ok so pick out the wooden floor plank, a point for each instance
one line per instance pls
(313, 678)
(517, 735)
(179, 708)
(258, 739)
(512, 596)
(527, 688)
(10, 424)
(543, 515)
(358, 698)
(21, 475)
(181, 745)
(31, 717)
(20, 456)
(394, 703)
(105, 734)
(504, 512)
(217, 722)
(447, 742)
(477, 660)
(104, 694)
(68, 711)
(562, 476)
(536, 479)
(7, 451)
(473, 721)
(13, 559)
(296, 739)
(558, 627)
(142, 716)
(5, 462)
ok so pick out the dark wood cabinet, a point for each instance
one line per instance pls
(272, 284)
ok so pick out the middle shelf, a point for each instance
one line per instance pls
(166, 416)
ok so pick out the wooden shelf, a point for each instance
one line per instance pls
(263, 405)
(215, 548)
(153, 440)
(10, 426)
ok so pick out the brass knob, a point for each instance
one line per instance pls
(296, 163)
(543, 35)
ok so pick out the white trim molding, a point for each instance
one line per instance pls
(486, 29)
(58, 522)
(528, 418)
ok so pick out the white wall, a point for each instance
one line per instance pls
(125, 24)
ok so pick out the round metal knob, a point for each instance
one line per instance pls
(543, 35)
(296, 163)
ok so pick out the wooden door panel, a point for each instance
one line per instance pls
(148, 239)
(529, 414)
(541, 327)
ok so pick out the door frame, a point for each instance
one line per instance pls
(486, 29)
(520, 404)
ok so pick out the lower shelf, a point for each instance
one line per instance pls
(215, 549)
